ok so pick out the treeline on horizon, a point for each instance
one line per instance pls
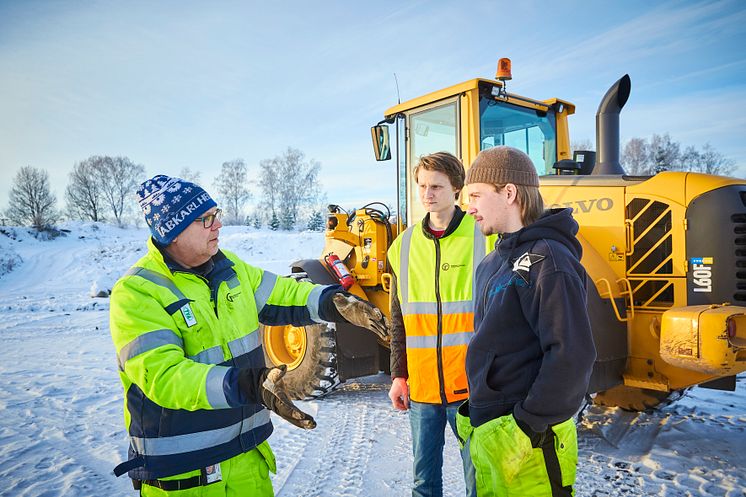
(102, 188)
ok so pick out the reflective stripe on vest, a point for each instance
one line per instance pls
(157, 279)
(148, 341)
(264, 290)
(461, 250)
(180, 444)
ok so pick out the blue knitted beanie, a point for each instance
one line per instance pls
(170, 205)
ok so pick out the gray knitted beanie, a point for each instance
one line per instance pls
(501, 165)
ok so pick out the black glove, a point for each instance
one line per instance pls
(537, 438)
(265, 385)
(361, 313)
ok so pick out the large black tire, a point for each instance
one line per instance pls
(312, 372)
(637, 399)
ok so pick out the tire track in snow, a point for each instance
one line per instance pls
(341, 450)
(363, 449)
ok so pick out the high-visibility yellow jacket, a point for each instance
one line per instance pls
(180, 339)
(434, 289)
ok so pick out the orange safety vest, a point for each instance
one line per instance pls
(435, 287)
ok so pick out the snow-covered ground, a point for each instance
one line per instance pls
(61, 424)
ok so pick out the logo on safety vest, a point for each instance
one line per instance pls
(189, 318)
(523, 264)
(445, 266)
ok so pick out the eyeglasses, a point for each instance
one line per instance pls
(209, 219)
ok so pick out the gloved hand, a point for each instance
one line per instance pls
(361, 313)
(265, 385)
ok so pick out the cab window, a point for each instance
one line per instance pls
(529, 130)
(434, 130)
(431, 130)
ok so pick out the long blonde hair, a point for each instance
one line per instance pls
(530, 201)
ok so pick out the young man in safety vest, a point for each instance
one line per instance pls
(185, 324)
(432, 317)
(531, 357)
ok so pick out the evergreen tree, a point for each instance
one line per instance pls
(274, 223)
(316, 222)
(288, 220)
(257, 222)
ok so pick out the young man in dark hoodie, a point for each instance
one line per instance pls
(530, 360)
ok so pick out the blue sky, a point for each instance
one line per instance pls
(194, 84)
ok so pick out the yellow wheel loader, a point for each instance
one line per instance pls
(666, 254)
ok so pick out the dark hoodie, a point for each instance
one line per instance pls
(532, 352)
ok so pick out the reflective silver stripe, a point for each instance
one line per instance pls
(313, 303)
(431, 342)
(148, 341)
(264, 290)
(233, 282)
(480, 250)
(214, 387)
(155, 278)
(459, 307)
(453, 339)
(213, 355)
(403, 283)
(179, 444)
(245, 344)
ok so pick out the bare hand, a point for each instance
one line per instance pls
(399, 394)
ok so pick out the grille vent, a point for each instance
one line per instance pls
(739, 232)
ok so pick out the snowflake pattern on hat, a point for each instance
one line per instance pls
(170, 205)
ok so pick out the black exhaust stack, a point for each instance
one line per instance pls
(607, 128)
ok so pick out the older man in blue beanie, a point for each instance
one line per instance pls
(185, 324)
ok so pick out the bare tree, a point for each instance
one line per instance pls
(84, 195)
(585, 145)
(288, 183)
(636, 157)
(708, 161)
(119, 177)
(662, 154)
(191, 176)
(231, 184)
(31, 202)
(269, 182)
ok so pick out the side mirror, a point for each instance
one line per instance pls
(380, 135)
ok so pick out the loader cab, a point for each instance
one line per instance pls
(463, 120)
